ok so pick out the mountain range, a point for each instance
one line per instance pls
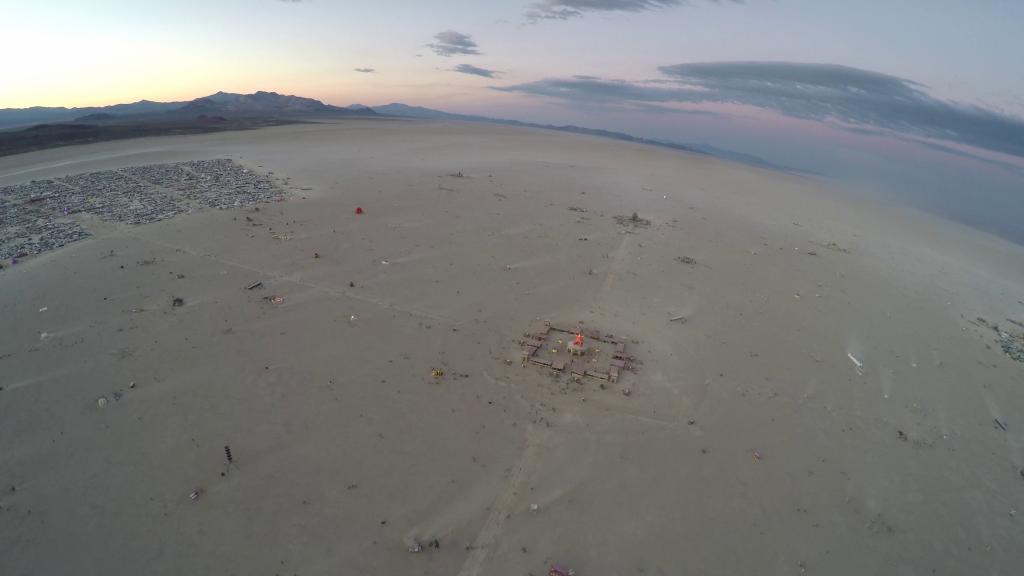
(222, 104)
(24, 129)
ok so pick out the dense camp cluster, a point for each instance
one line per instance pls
(210, 183)
(38, 216)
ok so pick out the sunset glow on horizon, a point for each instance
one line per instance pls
(800, 83)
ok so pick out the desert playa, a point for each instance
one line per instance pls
(813, 383)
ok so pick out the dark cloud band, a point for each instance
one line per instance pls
(450, 43)
(821, 92)
(566, 9)
(475, 71)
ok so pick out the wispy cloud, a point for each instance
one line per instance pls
(823, 92)
(475, 71)
(566, 9)
(450, 43)
(592, 90)
(366, 70)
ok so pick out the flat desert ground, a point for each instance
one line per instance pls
(750, 441)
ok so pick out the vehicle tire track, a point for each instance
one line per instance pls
(503, 505)
(327, 289)
(617, 265)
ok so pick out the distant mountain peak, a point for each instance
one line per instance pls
(96, 117)
(257, 103)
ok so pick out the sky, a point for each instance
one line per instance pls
(921, 100)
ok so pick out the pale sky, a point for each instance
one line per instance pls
(78, 52)
(824, 85)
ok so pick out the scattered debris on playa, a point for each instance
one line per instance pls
(416, 547)
(837, 248)
(39, 216)
(634, 221)
(857, 364)
(1011, 343)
